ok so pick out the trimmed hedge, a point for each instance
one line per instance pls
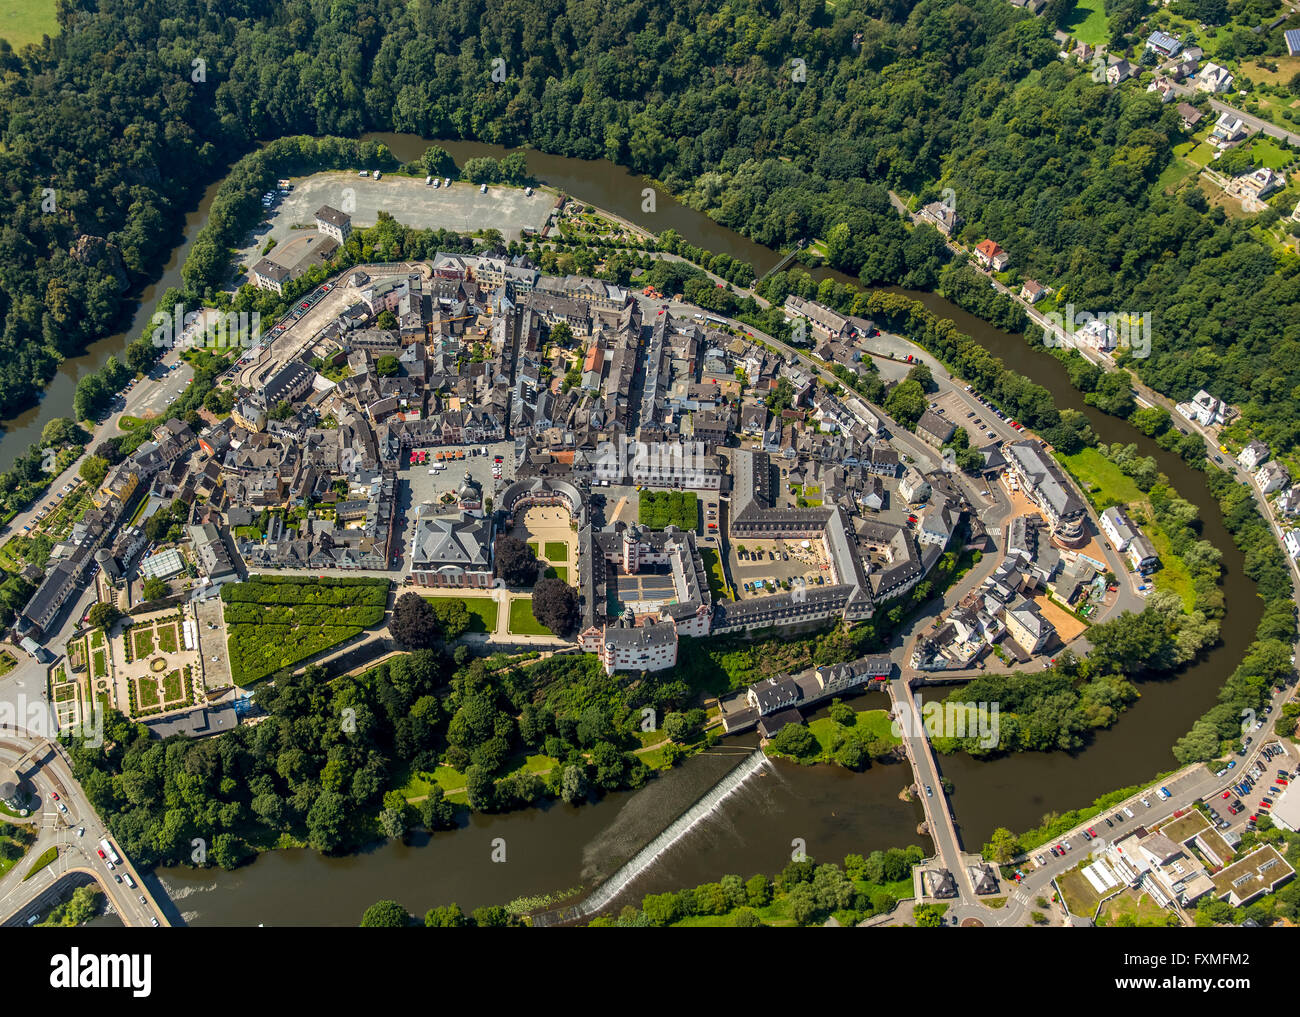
(273, 622)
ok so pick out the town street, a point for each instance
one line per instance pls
(51, 771)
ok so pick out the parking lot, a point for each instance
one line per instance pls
(425, 484)
(1253, 791)
(981, 421)
(773, 563)
(406, 199)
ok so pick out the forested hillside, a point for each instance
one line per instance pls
(118, 118)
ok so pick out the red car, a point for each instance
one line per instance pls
(100, 852)
(1092, 830)
(54, 795)
(1226, 794)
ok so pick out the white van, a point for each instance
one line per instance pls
(126, 878)
(1128, 812)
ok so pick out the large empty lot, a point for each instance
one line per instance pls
(460, 207)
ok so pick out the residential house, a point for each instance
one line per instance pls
(1254, 455)
(1032, 291)
(991, 256)
(1204, 409)
(1214, 79)
(1120, 70)
(1228, 129)
(1027, 626)
(1272, 476)
(333, 223)
(941, 216)
(1142, 554)
(934, 429)
(1117, 525)
(1163, 44)
(1191, 116)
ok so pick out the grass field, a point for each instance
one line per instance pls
(45, 859)
(1268, 152)
(1174, 174)
(869, 723)
(99, 665)
(1140, 907)
(1087, 22)
(24, 21)
(7, 662)
(146, 693)
(522, 622)
(556, 551)
(167, 641)
(483, 614)
(1104, 482)
(172, 688)
(560, 572)
(717, 579)
(142, 643)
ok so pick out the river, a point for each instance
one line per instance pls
(753, 830)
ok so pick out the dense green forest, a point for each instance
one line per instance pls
(327, 764)
(138, 105)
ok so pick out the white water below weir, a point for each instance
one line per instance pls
(675, 831)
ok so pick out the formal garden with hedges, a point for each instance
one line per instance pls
(273, 622)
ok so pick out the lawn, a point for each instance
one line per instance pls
(717, 579)
(99, 666)
(556, 551)
(167, 638)
(7, 662)
(870, 724)
(1079, 895)
(146, 693)
(448, 778)
(171, 687)
(1087, 22)
(45, 859)
(1173, 574)
(537, 763)
(1174, 174)
(482, 612)
(142, 642)
(26, 21)
(522, 622)
(1267, 152)
(1104, 482)
(1140, 907)
(560, 572)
